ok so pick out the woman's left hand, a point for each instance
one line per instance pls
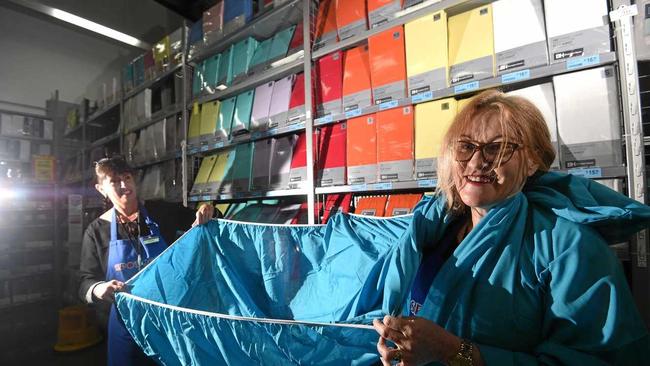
(419, 341)
(203, 214)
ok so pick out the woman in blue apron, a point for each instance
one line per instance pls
(121, 242)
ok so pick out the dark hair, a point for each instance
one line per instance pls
(112, 166)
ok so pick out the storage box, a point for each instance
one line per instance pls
(471, 45)
(426, 53)
(432, 120)
(395, 144)
(362, 150)
(388, 65)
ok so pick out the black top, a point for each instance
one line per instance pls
(173, 219)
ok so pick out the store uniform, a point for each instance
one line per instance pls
(110, 252)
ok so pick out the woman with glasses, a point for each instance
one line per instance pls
(121, 242)
(510, 281)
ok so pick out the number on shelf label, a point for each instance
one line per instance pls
(323, 120)
(353, 113)
(358, 187)
(422, 97)
(427, 183)
(382, 186)
(582, 62)
(388, 105)
(594, 172)
(515, 76)
(466, 87)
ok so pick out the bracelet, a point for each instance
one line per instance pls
(464, 357)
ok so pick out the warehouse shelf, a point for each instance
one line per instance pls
(162, 159)
(169, 111)
(154, 81)
(248, 195)
(428, 184)
(262, 27)
(100, 113)
(404, 16)
(287, 66)
(210, 146)
(513, 78)
(26, 137)
(105, 140)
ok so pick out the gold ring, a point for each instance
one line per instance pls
(398, 356)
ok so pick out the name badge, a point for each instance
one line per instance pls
(150, 240)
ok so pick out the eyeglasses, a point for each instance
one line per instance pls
(492, 151)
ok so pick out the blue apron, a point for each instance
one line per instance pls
(124, 262)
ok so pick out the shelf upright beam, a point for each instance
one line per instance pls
(634, 146)
(185, 93)
(309, 121)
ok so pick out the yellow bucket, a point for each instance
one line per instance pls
(77, 329)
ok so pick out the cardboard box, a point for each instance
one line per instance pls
(280, 44)
(471, 45)
(401, 204)
(280, 100)
(519, 35)
(226, 116)
(588, 118)
(242, 56)
(281, 155)
(329, 89)
(382, 11)
(225, 160)
(331, 155)
(298, 169)
(543, 97)
(576, 28)
(261, 172)
(236, 14)
(296, 112)
(350, 18)
(325, 28)
(388, 65)
(432, 120)
(226, 67)
(362, 150)
(395, 144)
(194, 128)
(213, 23)
(242, 117)
(209, 117)
(202, 175)
(261, 106)
(357, 90)
(426, 53)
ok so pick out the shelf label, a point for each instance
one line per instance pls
(594, 172)
(193, 199)
(218, 145)
(422, 97)
(388, 105)
(257, 135)
(323, 120)
(427, 183)
(582, 62)
(205, 148)
(623, 11)
(192, 150)
(353, 113)
(515, 76)
(358, 187)
(382, 186)
(466, 87)
(206, 198)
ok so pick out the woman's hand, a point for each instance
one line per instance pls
(203, 214)
(106, 290)
(419, 341)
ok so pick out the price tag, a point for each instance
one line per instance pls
(427, 183)
(218, 145)
(323, 120)
(388, 105)
(205, 148)
(515, 76)
(194, 198)
(466, 87)
(205, 198)
(353, 113)
(358, 187)
(422, 97)
(582, 62)
(382, 186)
(591, 173)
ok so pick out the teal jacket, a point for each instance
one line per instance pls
(533, 283)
